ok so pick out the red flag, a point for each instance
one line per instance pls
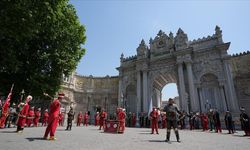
(9, 96)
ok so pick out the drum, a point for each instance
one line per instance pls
(111, 126)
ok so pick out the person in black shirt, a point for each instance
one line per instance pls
(172, 112)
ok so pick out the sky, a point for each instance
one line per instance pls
(117, 26)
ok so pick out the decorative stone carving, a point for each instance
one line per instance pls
(162, 44)
(142, 50)
(201, 62)
(181, 40)
(122, 57)
(218, 31)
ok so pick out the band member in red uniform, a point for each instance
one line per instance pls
(164, 121)
(45, 117)
(30, 117)
(121, 119)
(61, 116)
(23, 114)
(154, 120)
(5, 110)
(204, 120)
(86, 118)
(97, 118)
(103, 116)
(53, 118)
(79, 119)
(37, 117)
(133, 119)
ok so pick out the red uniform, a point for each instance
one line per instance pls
(204, 120)
(37, 117)
(5, 110)
(53, 119)
(133, 120)
(45, 118)
(154, 121)
(79, 119)
(61, 119)
(103, 116)
(121, 118)
(86, 118)
(97, 118)
(164, 121)
(30, 117)
(22, 116)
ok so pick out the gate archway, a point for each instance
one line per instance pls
(174, 59)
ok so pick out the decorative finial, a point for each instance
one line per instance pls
(160, 33)
(142, 42)
(150, 40)
(218, 31)
(180, 39)
(171, 36)
(180, 31)
(122, 57)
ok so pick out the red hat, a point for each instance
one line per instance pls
(61, 95)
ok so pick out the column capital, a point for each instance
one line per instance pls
(188, 62)
(179, 63)
(187, 59)
(179, 60)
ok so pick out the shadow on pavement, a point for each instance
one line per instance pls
(8, 132)
(62, 130)
(239, 135)
(156, 140)
(145, 133)
(35, 138)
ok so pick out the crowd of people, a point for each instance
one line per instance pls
(206, 121)
(22, 115)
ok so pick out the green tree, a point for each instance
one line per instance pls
(40, 40)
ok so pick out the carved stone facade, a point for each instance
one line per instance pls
(206, 77)
(200, 68)
(240, 65)
(91, 93)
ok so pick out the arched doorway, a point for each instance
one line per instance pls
(163, 85)
(211, 95)
(170, 91)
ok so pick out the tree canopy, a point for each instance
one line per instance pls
(40, 40)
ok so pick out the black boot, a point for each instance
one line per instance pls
(177, 136)
(168, 136)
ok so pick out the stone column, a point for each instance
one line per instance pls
(120, 95)
(193, 101)
(232, 100)
(145, 91)
(158, 98)
(223, 98)
(183, 101)
(200, 96)
(138, 91)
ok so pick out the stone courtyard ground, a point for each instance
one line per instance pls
(89, 138)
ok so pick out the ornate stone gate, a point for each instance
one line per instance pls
(200, 68)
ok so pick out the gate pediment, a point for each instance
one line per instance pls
(162, 44)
